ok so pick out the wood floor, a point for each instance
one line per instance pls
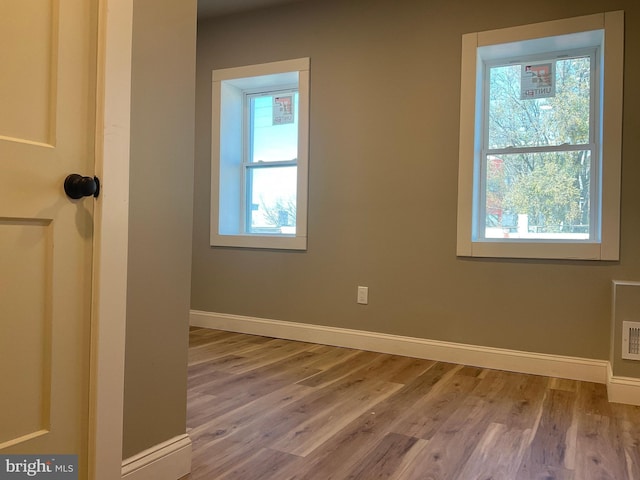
(262, 408)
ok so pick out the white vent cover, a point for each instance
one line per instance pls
(631, 340)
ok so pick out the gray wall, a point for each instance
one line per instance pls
(385, 96)
(160, 222)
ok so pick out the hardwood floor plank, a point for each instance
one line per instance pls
(202, 336)
(291, 369)
(220, 348)
(452, 444)
(331, 356)
(629, 422)
(273, 426)
(232, 390)
(520, 400)
(529, 471)
(335, 459)
(549, 445)
(498, 453)
(409, 464)
(244, 416)
(268, 354)
(198, 404)
(221, 457)
(340, 370)
(209, 370)
(563, 384)
(385, 459)
(324, 419)
(600, 436)
(592, 399)
(392, 368)
(413, 369)
(602, 452)
(471, 371)
(432, 410)
(263, 464)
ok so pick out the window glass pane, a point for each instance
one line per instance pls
(274, 132)
(539, 196)
(540, 103)
(272, 193)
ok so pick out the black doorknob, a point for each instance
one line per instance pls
(76, 186)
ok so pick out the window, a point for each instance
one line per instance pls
(540, 140)
(260, 155)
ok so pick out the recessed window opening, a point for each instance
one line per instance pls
(541, 140)
(259, 155)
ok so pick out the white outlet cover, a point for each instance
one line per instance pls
(363, 295)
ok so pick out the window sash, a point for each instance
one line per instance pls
(249, 117)
(247, 164)
(249, 170)
(592, 146)
(594, 85)
(593, 233)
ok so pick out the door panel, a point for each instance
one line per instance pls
(47, 128)
(28, 71)
(27, 248)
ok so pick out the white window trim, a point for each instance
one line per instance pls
(298, 241)
(470, 144)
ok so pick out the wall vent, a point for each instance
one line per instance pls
(631, 340)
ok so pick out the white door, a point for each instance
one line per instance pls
(47, 129)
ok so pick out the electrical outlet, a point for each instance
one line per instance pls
(363, 295)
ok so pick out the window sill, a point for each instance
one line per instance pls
(277, 242)
(538, 250)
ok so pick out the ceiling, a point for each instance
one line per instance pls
(216, 8)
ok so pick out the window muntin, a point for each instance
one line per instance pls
(539, 174)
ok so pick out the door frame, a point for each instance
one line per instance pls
(109, 301)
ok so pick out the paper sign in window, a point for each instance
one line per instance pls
(283, 110)
(538, 81)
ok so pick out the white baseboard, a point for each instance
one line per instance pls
(487, 357)
(623, 389)
(169, 460)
